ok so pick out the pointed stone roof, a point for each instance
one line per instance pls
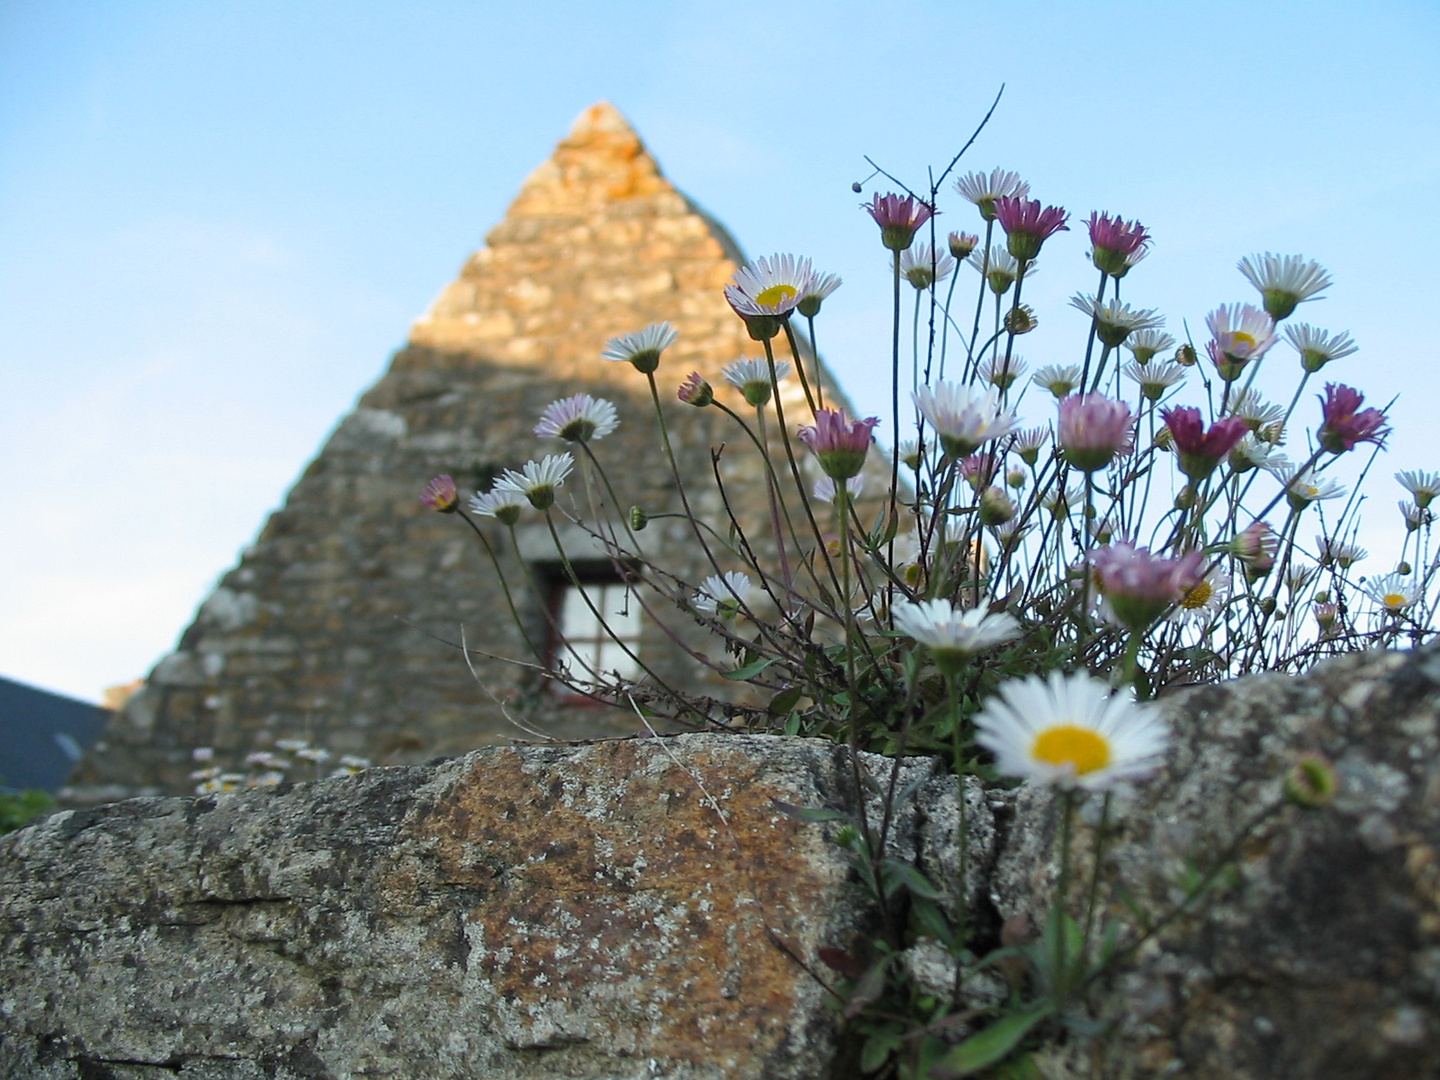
(334, 626)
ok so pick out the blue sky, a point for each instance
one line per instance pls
(218, 220)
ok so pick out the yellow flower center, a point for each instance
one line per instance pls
(1394, 600)
(775, 295)
(1197, 596)
(1083, 748)
(1239, 337)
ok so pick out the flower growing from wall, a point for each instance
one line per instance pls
(1200, 450)
(723, 595)
(1140, 586)
(581, 418)
(695, 391)
(951, 636)
(441, 495)
(1059, 379)
(1284, 281)
(1028, 225)
(899, 217)
(642, 349)
(1093, 429)
(1346, 424)
(1070, 731)
(838, 444)
(1116, 243)
(963, 420)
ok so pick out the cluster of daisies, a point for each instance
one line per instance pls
(269, 768)
(1064, 729)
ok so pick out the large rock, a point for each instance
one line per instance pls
(1318, 953)
(621, 909)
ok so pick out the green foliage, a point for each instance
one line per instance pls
(19, 807)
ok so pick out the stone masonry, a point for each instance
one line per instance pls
(340, 623)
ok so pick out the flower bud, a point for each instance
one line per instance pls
(695, 391)
(996, 507)
(1311, 782)
(1185, 355)
(638, 519)
(1021, 319)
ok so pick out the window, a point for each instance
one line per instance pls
(591, 649)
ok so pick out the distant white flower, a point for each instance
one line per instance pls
(1253, 453)
(953, 636)
(752, 378)
(1284, 280)
(1424, 486)
(999, 267)
(1306, 488)
(1415, 515)
(1069, 731)
(501, 503)
(537, 480)
(1059, 379)
(1114, 320)
(1000, 372)
(580, 418)
(982, 189)
(1255, 411)
(1338, 552)
(923, 266)
(1317, 347)
(1155, 378)
(723, 595)
(1393, 592)
(963, 420)
(643, 348)
(1144, 344)
(824, 490)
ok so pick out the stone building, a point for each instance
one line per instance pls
(341, 623)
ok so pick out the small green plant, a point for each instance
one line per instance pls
(18, 808)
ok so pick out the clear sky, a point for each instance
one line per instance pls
(218, 220)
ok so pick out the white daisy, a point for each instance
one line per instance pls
(1155, 379)
(1059, 379)
(1306, 488)
(643, 348)
(983, 190)
(1393, 592)
(1241, 333)
(1116, 320)
(723, 595)
(1415, 516)
(1284, 280)
(1317, 347)
(499, 502)
(1028, 444)
(1002, 373)
(752, 378)
(773, 286)
(923, 266)
(1259, 414)
(537, 480)
(1069, 731)
(1252, 453)
(824, 489)
(950, 635)
(577, 419)
(1200, 603)
(1338, 553)
(1424, 486)
(1145, 344)
(963, 420)
(999, 268)
(820, 288)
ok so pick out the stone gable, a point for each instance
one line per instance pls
(340, 622)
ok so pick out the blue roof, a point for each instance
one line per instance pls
(43, 735)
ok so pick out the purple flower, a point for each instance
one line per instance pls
(839, 444)
(1200, 450)
(899, 216)
(440, 495)
(1345, 424)
(695, 391)
(1255, 546)
(1140, 586)
(1027, 224)
(1093, 429)
(1115, 243)
(962, 244)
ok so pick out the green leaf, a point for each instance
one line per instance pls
(810, 814)
(785, 700)
(931, 921)
(899, 873)
(878, 1048)
(868, 990)
(749, 671)
(792, 724)
(992, 1045)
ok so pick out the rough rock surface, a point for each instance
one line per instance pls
(1318, 954)
(621, 909)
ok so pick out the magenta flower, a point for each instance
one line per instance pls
(840, 445)
(1093, 429)
(1139, 587)
(962, 244)
(1027, 224)
(1116, 244)
(1255, 546)
(695, 391)
(1344, 424)
(899, 217)
(440, 495)
(1200, 450)
(980, 470)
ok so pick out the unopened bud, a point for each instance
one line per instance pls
(1185, 355)
(695, 391)
(638, 518)
(1021, 319)
(1186, 499)
(1311, 782)
(962, 244)
(996, 507)
(1268, 605)
(1404, 569)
